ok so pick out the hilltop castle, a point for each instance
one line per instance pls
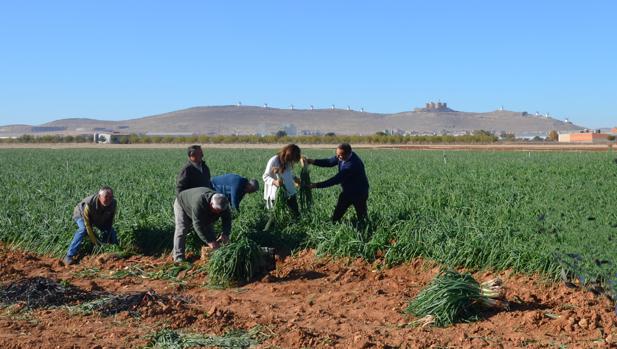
(434, 107)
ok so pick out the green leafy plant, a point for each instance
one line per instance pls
(453, 297)
(279, 214)
(234, 263)
(235, 338)
(484, 210)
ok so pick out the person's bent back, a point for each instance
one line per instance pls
(234, 187)
(200, 207)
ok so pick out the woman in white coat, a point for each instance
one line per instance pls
(279, 175)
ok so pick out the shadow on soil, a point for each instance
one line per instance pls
(521, 306)
(296, 274)
(527, 306)
(153, 241)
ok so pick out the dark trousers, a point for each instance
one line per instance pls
(292, 203)
(343, 203)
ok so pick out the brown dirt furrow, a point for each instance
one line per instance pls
(306, 302)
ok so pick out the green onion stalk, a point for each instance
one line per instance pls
(279, 212)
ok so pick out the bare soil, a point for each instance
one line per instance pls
(305, 302)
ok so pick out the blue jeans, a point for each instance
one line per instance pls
(109, 236)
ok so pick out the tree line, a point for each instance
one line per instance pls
(378, 138)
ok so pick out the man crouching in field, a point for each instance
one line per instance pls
(94, 211)
(202, 207)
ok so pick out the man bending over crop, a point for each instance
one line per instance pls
(352, 178)
(97, 210)
(234, 187)
(200, 207)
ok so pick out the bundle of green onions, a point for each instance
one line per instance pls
(280, 203)
(280, 211)
(234, 263)
(304, 194)
(453, 297)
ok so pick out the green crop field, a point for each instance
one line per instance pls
(536, 212)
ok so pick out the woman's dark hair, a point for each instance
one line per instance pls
(288, 154)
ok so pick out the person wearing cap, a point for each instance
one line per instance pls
(195, 172)
(98, 211)
(234, 187)
(352, 178)
(200, 207)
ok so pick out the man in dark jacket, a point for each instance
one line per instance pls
(195, 173)
(352, 178)
(234, 187)
(200, 207)
(98, 211)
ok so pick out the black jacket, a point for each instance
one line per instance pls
(190, 177)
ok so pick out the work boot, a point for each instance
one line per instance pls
(68, 260)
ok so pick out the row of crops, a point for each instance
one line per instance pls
(552, 213)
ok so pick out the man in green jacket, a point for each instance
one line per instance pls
(98, 211)
(201, 207)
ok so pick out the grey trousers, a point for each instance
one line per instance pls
(183, 224)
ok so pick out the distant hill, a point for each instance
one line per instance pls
(252, 120)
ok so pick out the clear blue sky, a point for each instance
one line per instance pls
(125, 59)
